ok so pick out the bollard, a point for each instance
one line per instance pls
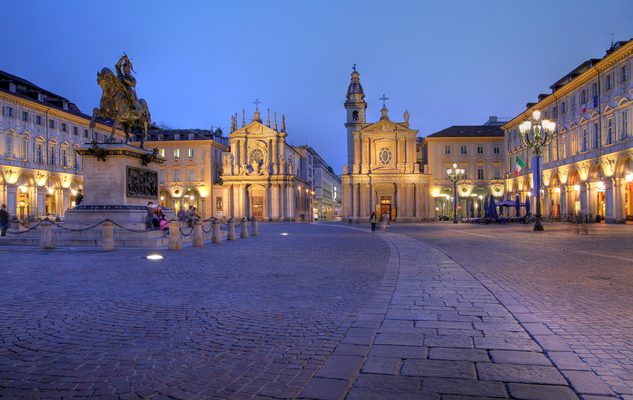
(383, 224)
(244, 228)
(217, 234)
(107, 236)
(46, 235)
(15, 225)
(175, 240)
(197, 235)
(231, 231)
(254, 227)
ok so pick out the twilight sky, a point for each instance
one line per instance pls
(197, 62)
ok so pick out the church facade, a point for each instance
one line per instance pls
(382, 174)
(263, 176)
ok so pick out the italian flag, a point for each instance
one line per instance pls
(518, 166)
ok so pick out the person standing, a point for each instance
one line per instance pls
(372, 219)
(4, 220)
(149, 219)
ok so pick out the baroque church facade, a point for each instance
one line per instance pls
(262, 174)
(382, 174)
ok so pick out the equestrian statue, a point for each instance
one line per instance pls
(120, 103)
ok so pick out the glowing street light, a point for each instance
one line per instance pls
(537, 135)
(455, 175)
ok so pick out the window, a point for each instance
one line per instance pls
(8, 142)
(609, 131)
(480, 173)
(75, 160)
(447, 149)
(85, 133)
(585, 138)
(38, 153)
(572, 104)
(176, 153)
(563, 146)
(161, 152)
(75, 131)
(161, 175)
(355, 116)
(190, 153)
(625, 124)
(218, 203)
(497, 172)
(38, 120)
(8, 111)
(554, 112)
(480, 150)
(574, 142)
(596, 136)
(583, 96)
(191, 175)
(623, 73)
(496, 149)
(53, 158)
(51, 124)
(64, 158)
(563, 107)
(64, 128)
(594, 89)
(176, 175)
(555, 148)
(463, 150)
(25, 116)
(608, 84)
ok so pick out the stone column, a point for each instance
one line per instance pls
(584, 209)
(364, 155)
(619, 196)
(274, 202)
(12, 200)
(609, 201)
(107, 236)
(398, 197)
(275, 158)
(590, 188)
(364, 201)
(357, 155)
(65, 200)
(41, 200)
(563, 200)
(356, 201)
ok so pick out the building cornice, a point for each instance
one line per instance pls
(601, 66)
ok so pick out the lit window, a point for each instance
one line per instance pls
(190, 153)
(176, 153)
(447, 149)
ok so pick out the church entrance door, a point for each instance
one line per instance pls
(385, 206)
(257, 207)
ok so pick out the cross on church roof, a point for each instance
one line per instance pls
(354, 67)
(383, 98)
(257, 103)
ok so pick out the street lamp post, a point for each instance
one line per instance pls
(455, 175)
(537, 134)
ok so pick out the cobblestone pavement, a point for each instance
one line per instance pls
(425, 311)
(251, 317)
(570, 289)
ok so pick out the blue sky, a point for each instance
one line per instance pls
(197, 62)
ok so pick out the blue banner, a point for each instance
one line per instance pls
(534, 175)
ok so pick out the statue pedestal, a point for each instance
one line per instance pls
(119, 181)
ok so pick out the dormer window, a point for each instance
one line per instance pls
(177, 136)
(41, 97)
(190, 136)
(12, 87)
(65, 105)
(160, 136)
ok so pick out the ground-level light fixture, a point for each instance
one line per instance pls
(283, 234)
(154, 257)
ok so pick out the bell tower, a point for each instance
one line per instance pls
(356, 107)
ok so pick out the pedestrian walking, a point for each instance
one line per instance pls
(372, 219)
(4, 220)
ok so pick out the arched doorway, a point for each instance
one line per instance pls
(25, 194)
(257, 202)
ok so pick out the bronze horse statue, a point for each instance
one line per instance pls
(121, 106)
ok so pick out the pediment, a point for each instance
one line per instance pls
(386, 125)
(255, 128)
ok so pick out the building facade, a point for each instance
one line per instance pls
(326, 205)
(382, 174)
(263, 176)
(587, 170)
(478, 149)
(191, 173)
(39, 171)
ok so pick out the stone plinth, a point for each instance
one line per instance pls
(119, 181)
